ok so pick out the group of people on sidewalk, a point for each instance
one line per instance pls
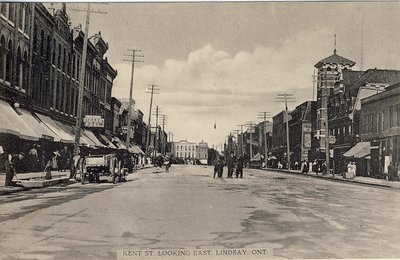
(35, 159)
(232, 163)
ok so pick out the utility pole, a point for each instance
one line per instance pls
(286, 98)
(237, 140)
(156, 144)
(263, 116)
(241, 142)
(151, 90)
(164, 122)
(251, 125)
(133, 60)
(78, 125)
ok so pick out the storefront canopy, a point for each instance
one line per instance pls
(40, 128)
(108, 142)
(64, 135)
(360, 150)
(12, 123)
(93, 138)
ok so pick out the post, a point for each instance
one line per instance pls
(128, 129)
(149, 124)
(287, 135)
(81, 83)
(286, 98)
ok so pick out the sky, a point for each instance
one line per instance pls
(223, 63)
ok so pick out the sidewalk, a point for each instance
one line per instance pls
(26, 176)
(357, 179)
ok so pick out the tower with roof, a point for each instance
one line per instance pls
(330, 71)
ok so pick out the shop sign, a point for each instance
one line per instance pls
(93, 121)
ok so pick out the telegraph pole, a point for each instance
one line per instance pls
(133, 60)
(78, 125)
(151, 90)
(157, 112)
(286, 98)
(164, 122)
(237, 140)
(241, 143)
(251, 125)
(264, 115)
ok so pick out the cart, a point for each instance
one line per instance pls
(99, 167)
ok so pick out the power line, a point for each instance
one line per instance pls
(133, 59)
(151, 89)
(82, 78)
(286, 98)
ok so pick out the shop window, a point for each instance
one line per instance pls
(9, 60)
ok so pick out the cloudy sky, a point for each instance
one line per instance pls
(225, 62)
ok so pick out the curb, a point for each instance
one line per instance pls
(330, 178)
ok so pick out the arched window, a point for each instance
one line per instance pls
(48, 47)
(54, 52)
(35, 33)
(59, 56)
(42, 43)
(18, 79)
(2, 57)
(9, 60)
(11, 12)
(26, 70)
(21, 16)
(64, 61)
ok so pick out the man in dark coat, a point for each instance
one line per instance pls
(220, 167)
(391, 171)
(231, 164)
(216, 167)
(239, 167)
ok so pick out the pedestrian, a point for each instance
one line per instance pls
(296, 165)
(55, 160)
(239, 167)
(391, 170)
(220, 167)
(47, 171)
(397, 171)
(33, 159)
(216, 167)
(231, 164)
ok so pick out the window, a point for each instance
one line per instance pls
(59, 56)
(2, 56)
(9, 60)
(42, 43)
(4, 9)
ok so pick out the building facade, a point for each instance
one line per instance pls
(380, 128)
(184, 149)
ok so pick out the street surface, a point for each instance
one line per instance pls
(298, 216)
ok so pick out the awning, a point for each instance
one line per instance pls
(38, 126)
(84, 139)
(64, 135)
(139, 150)
(360, 150)
(108, 142)
(118, 142)
(135, 149)
(12, 123)
(93, 138)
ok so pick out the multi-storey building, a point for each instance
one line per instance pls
(380, 132)
(345, 104)
(301, 138)
(15, 51)
(184, 149)
(202, 152)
